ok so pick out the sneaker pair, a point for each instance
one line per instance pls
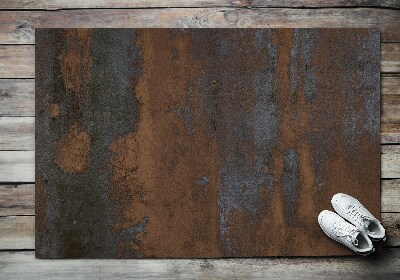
(357, 234)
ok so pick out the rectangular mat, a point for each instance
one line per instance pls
(195, 143)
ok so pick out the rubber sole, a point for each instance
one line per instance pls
(361, 254)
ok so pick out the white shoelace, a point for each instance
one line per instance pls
(362, 219)
(346, 231)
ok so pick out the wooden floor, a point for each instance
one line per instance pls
(18, 20)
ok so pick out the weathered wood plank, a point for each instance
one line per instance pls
(390, 110)
(17, 61)
(390, 161)
(17, 97)
(390, 104)
(390, 60)
(324, 3)
(390, 138)
(17, 27)
(17, 133)
(20, 199)
(384, 266)
(391, 222)
(78, 4)
(17, 232)
(390, 132)
(104, 4)
(390, 197)
(390, 85)
(17, 200)
(17, 166)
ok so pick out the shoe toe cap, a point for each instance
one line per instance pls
(326, 217)
(340, 200)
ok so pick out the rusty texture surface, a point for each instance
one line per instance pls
(181, 143)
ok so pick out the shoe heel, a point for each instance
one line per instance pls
(378, 240)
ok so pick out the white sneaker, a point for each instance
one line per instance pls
(345, 233)
(352, 210)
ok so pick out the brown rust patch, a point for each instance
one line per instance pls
(72, 154)
(76, 61)
(157, 168)
(54, 110)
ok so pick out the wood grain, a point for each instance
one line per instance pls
(390, 109)
(390, 85)
(390, 58)
(391, 222)
(386, 266)
(17, 200)
(390, 161)
(17, 166)
(390, 112)
(390, 197)
(104, 4)
(17, 61)
(18, 27)
(324, 3)
(77, 4)
(18, 232)
(390, 132)
(17, 133)
(390, 137)
(17, 97)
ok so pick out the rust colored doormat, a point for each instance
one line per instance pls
(202, 143)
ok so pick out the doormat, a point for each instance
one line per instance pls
(202, 143)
